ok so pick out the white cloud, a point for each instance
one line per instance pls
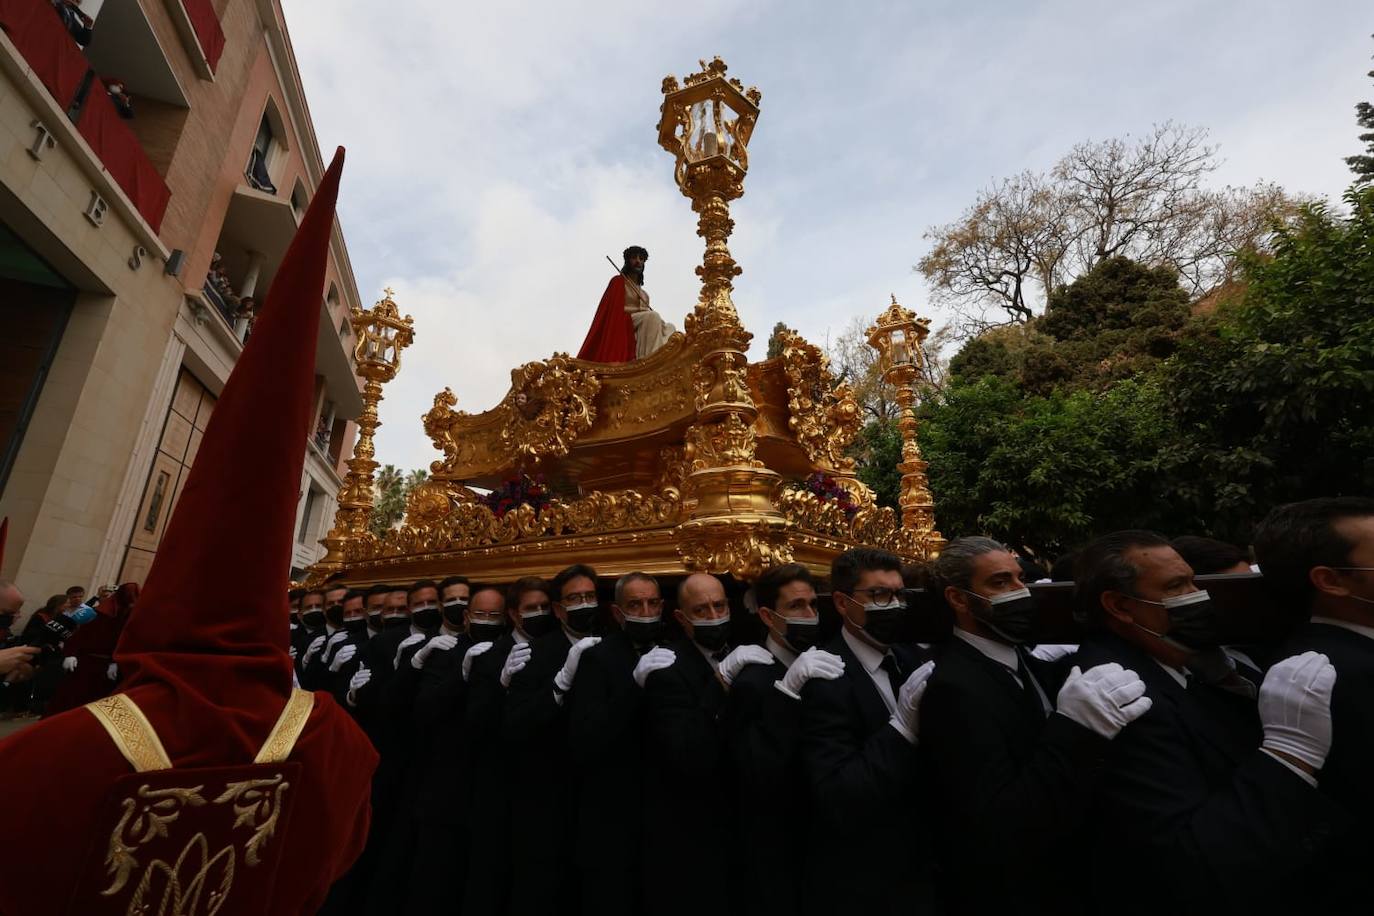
(498, 152)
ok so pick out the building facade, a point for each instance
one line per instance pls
(156, 157)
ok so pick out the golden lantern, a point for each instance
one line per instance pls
(382, 334)
(898, 336)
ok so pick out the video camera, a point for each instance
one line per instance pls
(54, 631)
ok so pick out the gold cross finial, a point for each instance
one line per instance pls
(388, 291)
(894, 298)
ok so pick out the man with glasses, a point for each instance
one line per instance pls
(1221, 805)
(605, 729)
(869, 836)
(534, 724)
(763, 727)
(687, 801)
(1318, 558)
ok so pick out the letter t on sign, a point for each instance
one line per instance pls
(43, 141)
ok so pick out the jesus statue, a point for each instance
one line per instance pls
(625, 327)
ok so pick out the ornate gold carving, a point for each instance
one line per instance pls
(552, 403)
(131, 732)
(146, 816)
(257, 805)
(823, 416)
(647, 400)
(743, 548)
(287, 731)
(878, 526)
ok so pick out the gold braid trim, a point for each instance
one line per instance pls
(288, 729)
(131, 732)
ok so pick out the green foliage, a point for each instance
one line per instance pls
(391, 491)
(1044, 473)
(775, 340)
(1363, 164)
(877, 450)
(1276, 400)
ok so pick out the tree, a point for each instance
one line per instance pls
(1143, 200)
(853, 361)
(876, 452)
(390, 493)
(775, 340)
(1274, 394)
(1363, 164)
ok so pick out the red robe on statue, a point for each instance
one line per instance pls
(207, 784)
(612, 336)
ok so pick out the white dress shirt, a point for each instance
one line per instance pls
(871, 658)
(1005, 656)
(784, 655)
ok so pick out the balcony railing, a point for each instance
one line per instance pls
(37, 32)
(208, 31)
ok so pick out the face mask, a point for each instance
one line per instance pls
(427, 618)
(582, 618)
(6, 621)
(643, 631)
(356, 625)
(481, 631)
(538, 623)
(394, 621)
(711, 635)
(1011, 615)
(801, 633)
(313, 618)
(374, 620)
(334, 615)
(454, 611)
(885, 622)
(1192, 620)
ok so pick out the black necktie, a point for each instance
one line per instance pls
(894, 674)
(719, 655)
(1028, 688)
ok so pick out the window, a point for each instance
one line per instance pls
(299, 199)
(258, 158)
(312, 497)
(344, 328)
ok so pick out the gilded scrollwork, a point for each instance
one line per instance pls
(145, 816)
(824, 417)
(646, 400)
(257, 805)
(742, 548)
(551, 403)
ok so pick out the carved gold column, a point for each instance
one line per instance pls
(733, 524)
(382, 334)
(898, 337)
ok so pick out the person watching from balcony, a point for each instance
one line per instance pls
(77, 23)
(123, 102)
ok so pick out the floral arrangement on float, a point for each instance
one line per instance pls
(518, 489)
(828, 490)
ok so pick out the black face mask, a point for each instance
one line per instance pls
(1194, 626)
(486, 632)
(536, 627)
(643, 633)
(375, 620)
(313, 620)
(334, 615)
(356, 625)
(6, 621)
(885, 624)
(427, 618)
(392, 623)
(712, 638)
(453, 613)
(1011, 615)
(802, 634)
(583, 619)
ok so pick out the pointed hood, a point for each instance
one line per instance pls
(211, 617)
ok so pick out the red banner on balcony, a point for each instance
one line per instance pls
(208, 30)
(118, 148)
(38, 33)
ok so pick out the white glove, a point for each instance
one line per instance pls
(1295, 707)
(1053, 652)
(342, 657)
(563, 680)
(409, 641)
(112, 672)
(733, 663)
(69, 663)
(907, 718)
(813, 662)
(470, 655)
(440, 643)
(360, 677)
(516, 661)
(652, 661)
(1105, 698)
(311, 650)
(335, 640)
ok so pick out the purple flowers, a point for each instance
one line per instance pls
(828, 490)
(516, 490)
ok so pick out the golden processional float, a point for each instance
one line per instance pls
(690, 459)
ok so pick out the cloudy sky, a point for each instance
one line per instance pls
(497, 152)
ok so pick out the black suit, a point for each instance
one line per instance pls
(688, 795)
(606, 747)
(534, 725)
(1191, 816)
(1338, 879)
(315, 676)
(870, 846)
(1006, 784)
(489, 762)
(763, 732)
